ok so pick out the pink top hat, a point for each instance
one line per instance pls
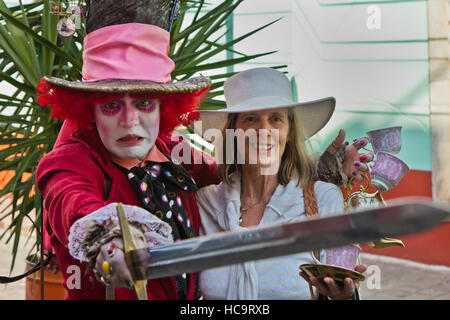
(126, 50)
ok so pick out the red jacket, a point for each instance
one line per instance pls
(71, 179)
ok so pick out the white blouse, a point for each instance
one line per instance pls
(271, 279)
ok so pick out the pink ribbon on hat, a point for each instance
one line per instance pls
(130, 51)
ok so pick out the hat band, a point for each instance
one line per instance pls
(131, 51)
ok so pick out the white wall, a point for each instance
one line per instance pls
(373, 57)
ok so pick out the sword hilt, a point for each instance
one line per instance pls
(129, 245)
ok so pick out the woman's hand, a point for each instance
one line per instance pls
(354, 163)
(328, 287)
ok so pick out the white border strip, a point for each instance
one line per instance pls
(403, 262)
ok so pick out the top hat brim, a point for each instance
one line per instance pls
(313, 115)
(132, 86)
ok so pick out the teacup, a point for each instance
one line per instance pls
(345, 257)
(386, 139)
(387, 171)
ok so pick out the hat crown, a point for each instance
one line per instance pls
(104, 13)
(257, 84)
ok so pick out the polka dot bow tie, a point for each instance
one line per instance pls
(160, 186)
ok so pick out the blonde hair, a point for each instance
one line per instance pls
(295, 161)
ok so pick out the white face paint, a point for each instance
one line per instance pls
(128, 127)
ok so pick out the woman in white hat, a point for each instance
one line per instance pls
(261, 119)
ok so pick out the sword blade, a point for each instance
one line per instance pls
(228, 248)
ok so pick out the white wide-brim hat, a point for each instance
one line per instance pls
(261, 89)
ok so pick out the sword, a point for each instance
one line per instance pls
(226, 248)
(129, 244)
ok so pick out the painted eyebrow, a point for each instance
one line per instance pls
(122, 100)
(143, 98)
(151, 101)
(112, 101)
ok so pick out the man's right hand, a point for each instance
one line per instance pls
(111, 262)
(112, 266)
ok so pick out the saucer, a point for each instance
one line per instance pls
(337, 273)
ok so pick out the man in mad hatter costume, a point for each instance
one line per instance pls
(114, 147)
(122, 111)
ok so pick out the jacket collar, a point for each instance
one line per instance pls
(91, 140)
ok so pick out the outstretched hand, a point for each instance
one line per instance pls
(354, 163)
(111, 266)
(115, 272)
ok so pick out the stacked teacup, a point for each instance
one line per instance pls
(388, 169)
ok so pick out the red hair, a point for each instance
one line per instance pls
(176, 108)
